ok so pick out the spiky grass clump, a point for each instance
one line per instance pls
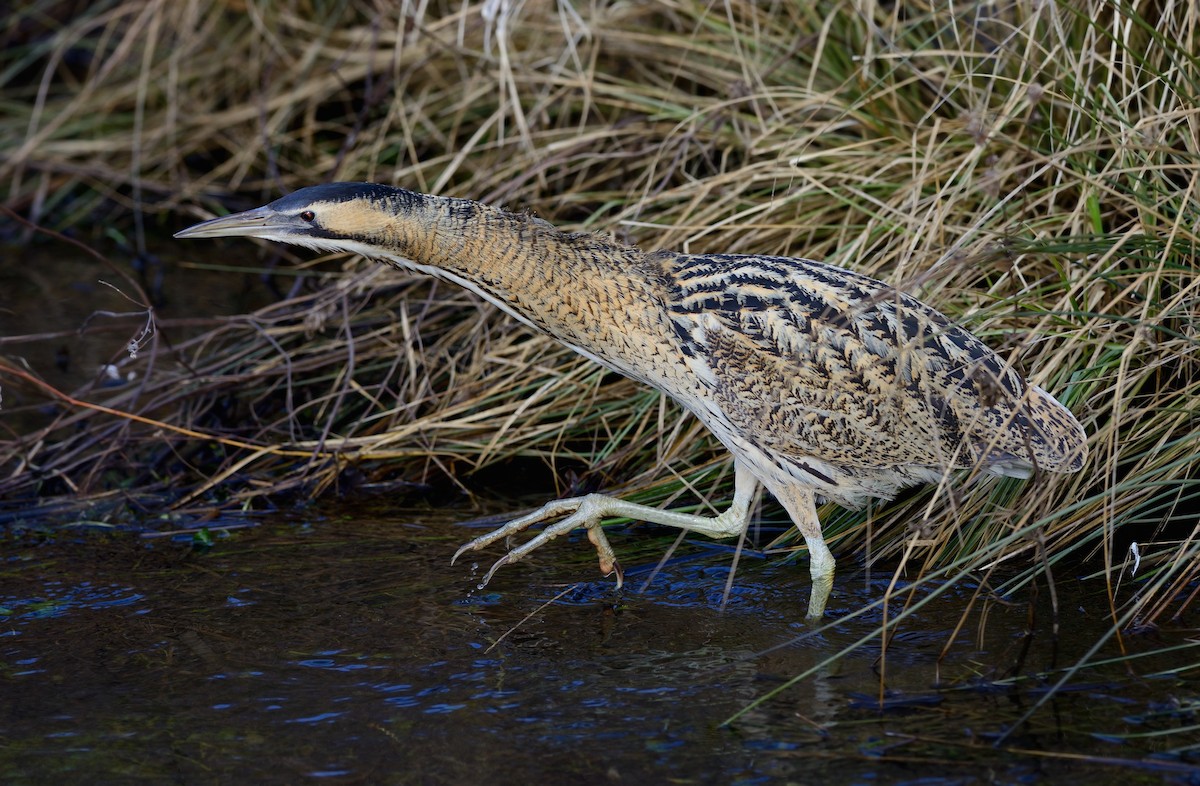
(1030, 168)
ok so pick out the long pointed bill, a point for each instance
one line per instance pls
(259, 222)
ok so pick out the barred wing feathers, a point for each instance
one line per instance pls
(808, 360)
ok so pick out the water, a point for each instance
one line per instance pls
(342, 647)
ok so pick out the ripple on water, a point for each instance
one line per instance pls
(58, 599)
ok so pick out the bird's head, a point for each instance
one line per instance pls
(355, 217)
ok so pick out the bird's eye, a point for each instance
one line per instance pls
(308, 215)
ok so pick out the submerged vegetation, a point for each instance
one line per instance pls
(1031, 169)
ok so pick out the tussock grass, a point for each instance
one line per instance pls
(1031, 168)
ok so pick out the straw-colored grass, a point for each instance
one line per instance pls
(1031, 168)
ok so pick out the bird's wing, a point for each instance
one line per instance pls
(810, 360)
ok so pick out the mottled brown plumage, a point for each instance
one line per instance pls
(822, 383)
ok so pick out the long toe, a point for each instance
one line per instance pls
(608, 560)
(550, 510)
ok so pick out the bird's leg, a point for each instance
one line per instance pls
(590, 510)
(801, 505)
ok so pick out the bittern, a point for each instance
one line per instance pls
(822, 383)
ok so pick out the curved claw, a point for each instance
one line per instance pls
(616, 568)
(459, 553)
(492, 571)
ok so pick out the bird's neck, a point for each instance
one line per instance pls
(569, 285)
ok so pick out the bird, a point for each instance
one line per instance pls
(823, 384)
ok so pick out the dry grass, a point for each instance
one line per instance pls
(1029, 168)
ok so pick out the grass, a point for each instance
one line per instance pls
(1030, 168)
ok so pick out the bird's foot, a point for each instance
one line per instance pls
(586, 512)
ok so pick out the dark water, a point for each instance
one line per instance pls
(343, 647)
